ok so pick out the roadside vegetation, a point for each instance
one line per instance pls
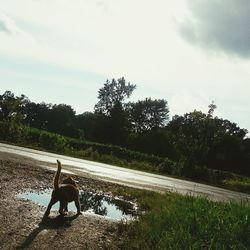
(196, 146)
(173, 221)
(115, 155)
(138, 135)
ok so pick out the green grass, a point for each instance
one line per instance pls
(183, 222)
(91, 155)
(238, 184)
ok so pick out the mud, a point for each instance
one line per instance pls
(20, 220)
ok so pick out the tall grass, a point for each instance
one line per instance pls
(241, 184)
(184, 222)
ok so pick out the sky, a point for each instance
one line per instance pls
(189, 52)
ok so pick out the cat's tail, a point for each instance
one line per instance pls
(57, 175)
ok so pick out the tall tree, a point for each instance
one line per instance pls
(211, 109)
(148, 114)
(11, 106)
(112, 92)
(86, 122)
(37, 114)
(118, 125)
(62, 120)
(206, 141)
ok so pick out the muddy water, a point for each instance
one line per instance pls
(97, 203)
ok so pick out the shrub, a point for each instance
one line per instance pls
(10, 131)
(167, 167)
(52, 141)
(31, 135)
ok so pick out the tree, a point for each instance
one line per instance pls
(37, 114)
(111, 93)
(202, 140)
(62, 120)
(86, 122)
(101, 128)
(227, 153)
(157, 142)
(11, 106)
(211, 110)
(118, 125)
(148, 114)
(191, 136)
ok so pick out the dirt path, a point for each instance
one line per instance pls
(20, 220)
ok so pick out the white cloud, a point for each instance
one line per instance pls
(8, 26)
(135, 39)
(123, 37)
(186, 101)
(13, 40)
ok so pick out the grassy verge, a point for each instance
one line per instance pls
(182, 222)
(240, 184)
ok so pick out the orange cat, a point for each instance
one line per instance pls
(64, 193)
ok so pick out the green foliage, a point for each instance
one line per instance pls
(118, 125)
(37, 115)
(11, 107)
(52, 141)
(202, 140)
(148, 114)
(4, 130)
(115, 155)
(31, 135)
(239, 184)
(86, 123)
(187, 146)
(62, 120)
(169, 167)
(158, 142)
(10, 131)
(116, 151)
(111, 93)
(177, 222)
(94, 151)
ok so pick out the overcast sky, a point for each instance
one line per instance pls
(189, 52)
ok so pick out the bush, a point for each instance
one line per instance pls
(167, 167)
(31, 135)
(10, 131)
(238, 184)
(52, 141)
(4, 130)
(95, 151)
(119, 152)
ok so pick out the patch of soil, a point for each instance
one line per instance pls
(20, 220)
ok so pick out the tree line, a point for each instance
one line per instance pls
(196, 140)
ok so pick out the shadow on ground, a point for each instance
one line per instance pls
(48, 223)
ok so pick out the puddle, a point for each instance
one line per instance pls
(97, 203)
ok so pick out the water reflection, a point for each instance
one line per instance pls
(92, 202)
(106, 205)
